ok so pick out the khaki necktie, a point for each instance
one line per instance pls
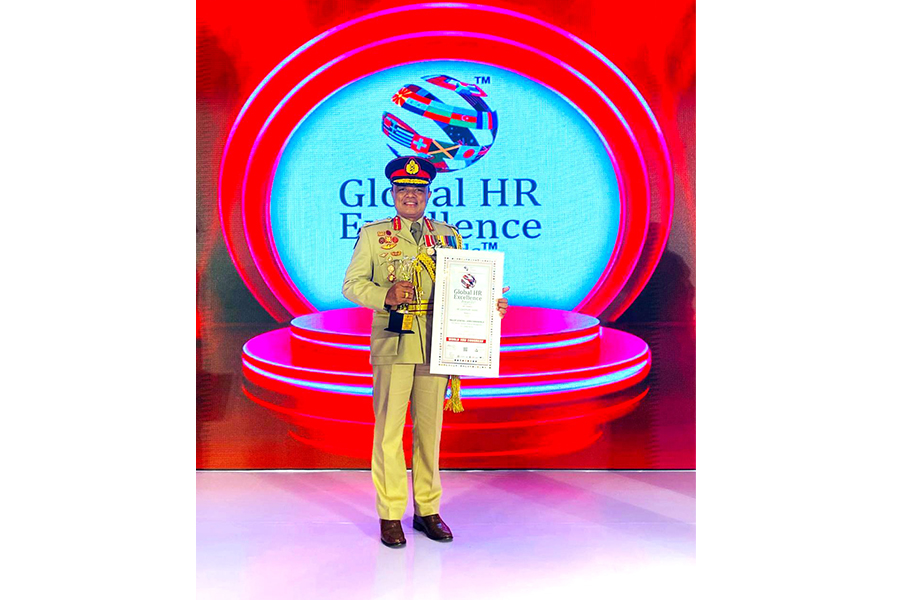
(416, 230)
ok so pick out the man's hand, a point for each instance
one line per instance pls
(502, 303)
(401, 292)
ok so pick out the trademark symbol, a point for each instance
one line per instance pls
(482, 80)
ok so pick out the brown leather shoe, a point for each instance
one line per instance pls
(392, 534)
(434, 527)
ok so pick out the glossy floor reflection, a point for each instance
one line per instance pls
(316, 535)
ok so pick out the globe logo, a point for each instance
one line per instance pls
(468, 281)
(437, 126)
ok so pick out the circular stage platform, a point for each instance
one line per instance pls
(562, 376)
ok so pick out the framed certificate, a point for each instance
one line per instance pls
(465, 336)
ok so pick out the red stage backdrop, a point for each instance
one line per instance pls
(563, 135)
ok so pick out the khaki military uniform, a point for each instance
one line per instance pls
(400, 371)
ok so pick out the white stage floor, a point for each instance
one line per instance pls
(517, 534)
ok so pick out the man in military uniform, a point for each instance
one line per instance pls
(400, 362)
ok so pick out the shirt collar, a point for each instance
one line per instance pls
(406, 222)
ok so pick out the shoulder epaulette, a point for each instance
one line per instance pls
(377, 222)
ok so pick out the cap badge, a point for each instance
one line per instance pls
(412, 167)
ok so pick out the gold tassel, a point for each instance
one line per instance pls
(423, 260)
(454, 403)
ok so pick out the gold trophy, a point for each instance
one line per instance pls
(401, 320)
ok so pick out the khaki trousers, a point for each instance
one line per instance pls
(394, 386)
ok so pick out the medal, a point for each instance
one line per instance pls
(430, 251)
(391, 278)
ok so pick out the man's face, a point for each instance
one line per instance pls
(410, 200)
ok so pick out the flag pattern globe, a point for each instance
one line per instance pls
(443, 120)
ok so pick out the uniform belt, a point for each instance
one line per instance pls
(420, 308)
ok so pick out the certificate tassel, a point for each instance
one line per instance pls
(453, 403)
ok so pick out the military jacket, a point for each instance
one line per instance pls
(366, 283)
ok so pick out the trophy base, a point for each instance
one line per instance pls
(399, 322)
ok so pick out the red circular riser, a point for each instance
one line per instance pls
(528, 335)
(551, 400)
(533, 433)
